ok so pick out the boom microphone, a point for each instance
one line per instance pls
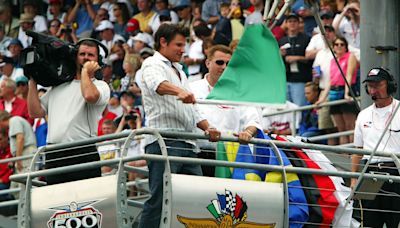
(374, 98)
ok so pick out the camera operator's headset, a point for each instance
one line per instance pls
(391, 83)
(99, 45)
(98, 74)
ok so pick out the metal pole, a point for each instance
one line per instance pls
(315, 10)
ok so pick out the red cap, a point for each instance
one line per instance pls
(132, 25)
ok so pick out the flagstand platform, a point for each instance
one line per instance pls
(196, 201)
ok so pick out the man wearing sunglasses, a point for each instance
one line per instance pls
(242, 121)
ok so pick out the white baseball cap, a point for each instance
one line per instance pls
(103, 25)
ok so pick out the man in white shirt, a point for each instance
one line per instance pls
(370, 125)
(169, 105)
(241, 121)
(73, 109)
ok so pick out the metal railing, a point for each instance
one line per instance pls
(285, 146)
(297, 111)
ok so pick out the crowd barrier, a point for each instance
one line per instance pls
(103, 201)
(297, 111)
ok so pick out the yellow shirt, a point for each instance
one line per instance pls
(144, 20)
(237, 29)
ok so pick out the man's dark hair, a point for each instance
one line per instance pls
(90, 43)
(168, 32)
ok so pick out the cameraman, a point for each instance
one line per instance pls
(72, 109)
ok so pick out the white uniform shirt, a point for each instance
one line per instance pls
(227, 119)
(166, 112)
(370, 125)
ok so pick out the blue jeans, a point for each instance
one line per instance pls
(295, 93)
(152, 208)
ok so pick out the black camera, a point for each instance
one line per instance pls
(49, 60)
(131, 116)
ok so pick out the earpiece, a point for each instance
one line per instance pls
(98, 74)
(99, 45)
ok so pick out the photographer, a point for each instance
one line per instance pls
(72, 109)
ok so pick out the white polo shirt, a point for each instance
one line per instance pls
(227, 119)
(370, 125)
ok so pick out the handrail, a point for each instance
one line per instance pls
(307, 107)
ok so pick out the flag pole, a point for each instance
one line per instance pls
(271, 11)
(238, 103)
(281, 12)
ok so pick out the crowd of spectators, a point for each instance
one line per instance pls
(127, 28)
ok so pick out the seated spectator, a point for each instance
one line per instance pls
(162, 12)
(185, 13)
(11, 24)
(309, 118)
(130, 121)
(4, 39)
(140, 41)
(14, 48)
(83, 13)
(114, 104)
(210, 11)
(145, 14)
(108, 150)
(22, 87)
(106, 115)
(55, 10)
(11, 103)
(54, 27)
(116, 59)
(101, 15)
(195, 56)
(5, 170)
(31, 7)
(230, 26)
(280, 124)
(8, 69)
(107, 34)
(121, 14)
(131, 65)
(26, 23)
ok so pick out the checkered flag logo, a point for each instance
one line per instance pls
(230, 202)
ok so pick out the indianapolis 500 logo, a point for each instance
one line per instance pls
(75, 215)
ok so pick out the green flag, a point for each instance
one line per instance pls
(224, 172)
(256, 72)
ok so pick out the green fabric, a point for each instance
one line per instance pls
(223, 172)
(256, 72)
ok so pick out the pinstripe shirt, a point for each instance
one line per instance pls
(166, 112)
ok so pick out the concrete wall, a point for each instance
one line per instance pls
(380, 24)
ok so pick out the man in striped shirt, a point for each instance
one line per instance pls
(169, 105)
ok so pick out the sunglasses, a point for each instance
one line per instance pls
(339, 44)
(221, 62)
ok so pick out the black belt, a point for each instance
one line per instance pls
(337, 88)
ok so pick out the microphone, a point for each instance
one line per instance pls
(374, 98)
